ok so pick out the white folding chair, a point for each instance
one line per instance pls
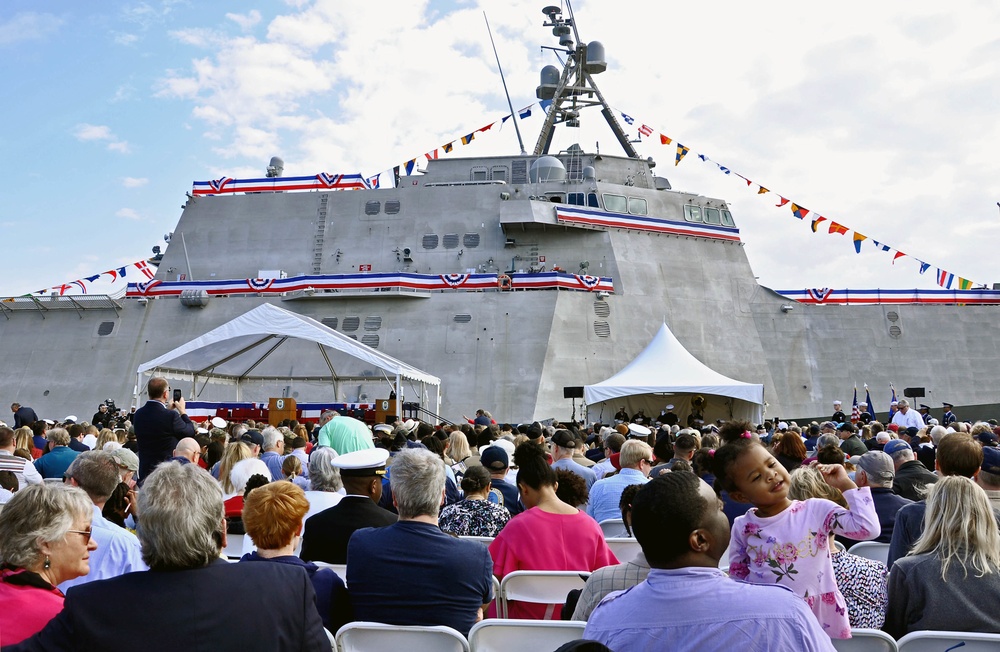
(937, 641)
(613, 528)
(539, 587)
(503, 635)
(625, 549)
(234, 546)
(376, 637)
(339, 569)
(865, 640)
(483, 540)
(871, 550)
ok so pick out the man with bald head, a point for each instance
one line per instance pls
(187, 451)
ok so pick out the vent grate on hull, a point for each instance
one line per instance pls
(351, 324)
(602, 329)
(330, 322)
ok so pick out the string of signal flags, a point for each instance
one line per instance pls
(944, 278)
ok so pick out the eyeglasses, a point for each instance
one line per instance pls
(86, 534)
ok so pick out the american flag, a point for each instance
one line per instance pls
(855, 414)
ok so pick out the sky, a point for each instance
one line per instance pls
(879, 116)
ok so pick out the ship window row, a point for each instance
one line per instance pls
(450, 240)
(582, 199)
(374, 207)
(495, 173)
(708, 215)
(623, 204)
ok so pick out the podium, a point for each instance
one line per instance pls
(280, 409)
(386, 410)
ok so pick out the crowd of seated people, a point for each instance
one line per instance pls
(393, 502)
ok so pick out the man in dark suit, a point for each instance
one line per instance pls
(23, 415)
(159, 425)
(252, 606)
(327, 533)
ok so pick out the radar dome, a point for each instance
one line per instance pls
(547, 168)
(276, 167)
(549, 81)
(596, 61)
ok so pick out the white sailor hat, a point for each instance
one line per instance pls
(218, 422)
(201, 431)
(670, 406)
(638, 431)
(862, 404)
(363, 463)
(382, 427)
(70, 419)
(837, 403)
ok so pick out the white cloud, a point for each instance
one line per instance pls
(124, 38)
(28, 26)
(128, 214)
(245, 22)
(88, 132)
(134, 182)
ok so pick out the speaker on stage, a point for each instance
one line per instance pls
(572, 392)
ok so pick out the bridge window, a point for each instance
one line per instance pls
(615, 203)
(712, 216)
(636, 206)
(692, 213)
(727, 218)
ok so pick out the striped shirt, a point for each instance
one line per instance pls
(24, 470)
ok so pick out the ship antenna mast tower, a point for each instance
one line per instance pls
(573, 89)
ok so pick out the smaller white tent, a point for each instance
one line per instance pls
(239, 351)
(666, 373)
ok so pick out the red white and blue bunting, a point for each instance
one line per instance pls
(140, 268)
(391, 281)
(588, 217)
(321, 181)
(826, 296)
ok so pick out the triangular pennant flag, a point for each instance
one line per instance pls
(93, 278)
(781, 201)
(486, 128)
(723, 169)
(815, 222)
(761, 191)
(837, 228)
(468, 138)
(447, 147)
(524, 113)
(857, 241)
(410, 165)
(504, 120)
(964, 284)
(945, 278)
(681, 153)
(924, 266)
(646, 130)
(433, 155)
(881, 246)
(798, 211)
(664, 140)
(897, 256)
(703, 157)
(628, 119)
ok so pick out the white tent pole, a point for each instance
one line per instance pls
(399, 396)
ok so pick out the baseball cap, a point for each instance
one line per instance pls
(564, 438)
(991, 460)
(126, 459)
(877, 465)
(253, 437)
(893, 427)
(494, 458)
(895, 446)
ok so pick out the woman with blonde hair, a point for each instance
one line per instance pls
(862, 582)
(106, 435)
(459, 452)
(24, 441)
(951, 578)
(235, 452)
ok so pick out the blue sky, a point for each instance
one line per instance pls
(880, 116)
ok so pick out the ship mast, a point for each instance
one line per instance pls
(575, 88)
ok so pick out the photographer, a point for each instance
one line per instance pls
(159, 424)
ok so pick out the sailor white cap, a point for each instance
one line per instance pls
(363, 463)
(70, 419)
(862, 405)
(670, 406)
(218, 422)
(636, 430)
(837, 403)
(201, 431)
(382, 427)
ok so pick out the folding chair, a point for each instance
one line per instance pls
(866, 640)
(937, 641)
(871, 550)
(376, 637)
(539, 587)
(613, 528)
(483, 540)
(625, 549)
(502, 635)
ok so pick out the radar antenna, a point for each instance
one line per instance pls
(575, 88)
(513, 116)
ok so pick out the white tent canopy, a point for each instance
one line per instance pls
(244, 350)
(666, 373)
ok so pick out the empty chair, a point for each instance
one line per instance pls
(938, 641)
(539, 587)
(501, 635)
(614, 528)
(865, 640)
(625, 548)
(871, 550)
(376, 637)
